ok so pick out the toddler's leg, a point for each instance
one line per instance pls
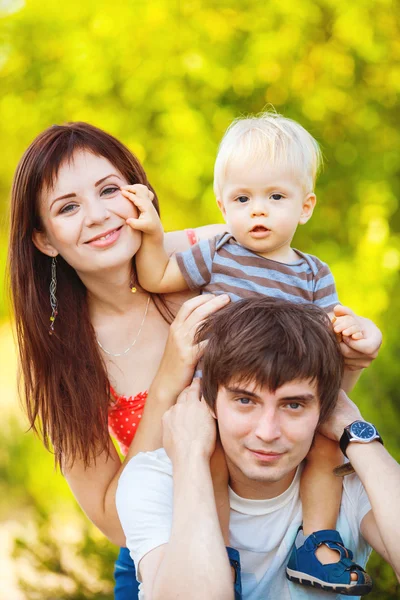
(321, 492)
(319, 547)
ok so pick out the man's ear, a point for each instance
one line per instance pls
(308, 208)
(221, 206)
(41, 241)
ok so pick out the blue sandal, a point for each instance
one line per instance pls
(305, 568)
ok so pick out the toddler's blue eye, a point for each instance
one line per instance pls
(276, 196)
(242, 199)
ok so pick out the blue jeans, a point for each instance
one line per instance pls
(127, 588)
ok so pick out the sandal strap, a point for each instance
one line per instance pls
(325, 536)
(330, 538)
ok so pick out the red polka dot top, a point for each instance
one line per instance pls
(125, 412)
(124, 417)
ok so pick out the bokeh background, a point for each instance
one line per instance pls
(167, 77)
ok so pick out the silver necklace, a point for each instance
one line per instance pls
(134, 341)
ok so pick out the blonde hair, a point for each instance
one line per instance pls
(271, 138)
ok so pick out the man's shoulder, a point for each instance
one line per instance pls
(157, 460)
(353, 489)
(355, 506)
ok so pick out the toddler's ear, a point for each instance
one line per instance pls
(221, 206)
(308, 207)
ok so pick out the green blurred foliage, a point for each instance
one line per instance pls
(167, 77)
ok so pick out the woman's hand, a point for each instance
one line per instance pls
(181, 354)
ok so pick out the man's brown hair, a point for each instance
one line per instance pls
(271, 342)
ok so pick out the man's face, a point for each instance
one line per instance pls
(266, 435)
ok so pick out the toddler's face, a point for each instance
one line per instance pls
(263, 205)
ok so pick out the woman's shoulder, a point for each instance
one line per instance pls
(178, 241)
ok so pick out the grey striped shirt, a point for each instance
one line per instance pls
(221, 265)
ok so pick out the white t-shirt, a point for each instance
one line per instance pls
(263, 531)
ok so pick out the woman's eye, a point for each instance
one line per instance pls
(242, 199)
(68, 208)
(109, 190)
(276, 196)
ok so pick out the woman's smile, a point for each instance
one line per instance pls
(104, 240)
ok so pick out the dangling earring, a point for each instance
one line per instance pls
(53, 299)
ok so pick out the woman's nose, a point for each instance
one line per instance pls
(96, 212)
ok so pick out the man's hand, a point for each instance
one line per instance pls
(189, 428)
(361, 347)
(148, 221)
(345, 413)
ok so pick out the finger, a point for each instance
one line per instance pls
(341, 310)
(183, 397)
(198, 350)
(352, 330)
(341, 323)
(199, 307)
(349, 352)
(363, 347)
(139, 188)
(192, 391)
(189, 306)
(139, 224)
(205, 310)
(358, 335)
(141, 201)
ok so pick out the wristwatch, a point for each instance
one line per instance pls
(358, 431)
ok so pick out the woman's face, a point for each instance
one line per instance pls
(83, 216)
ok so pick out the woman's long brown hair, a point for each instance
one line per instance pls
(65, 384)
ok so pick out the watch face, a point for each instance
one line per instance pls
(363, 430)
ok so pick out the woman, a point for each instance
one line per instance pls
(91, 341)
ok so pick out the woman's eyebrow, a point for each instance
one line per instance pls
(106, 177)
(73, 195)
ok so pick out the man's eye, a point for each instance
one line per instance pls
(243, 401)
(277, 196)
(68, 208)
(242, 199)
(109, 190)
(294, 405)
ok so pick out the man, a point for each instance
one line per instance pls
(271, 376)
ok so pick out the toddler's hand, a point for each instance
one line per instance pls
(346, 324)
(358, 353)
(148, 221)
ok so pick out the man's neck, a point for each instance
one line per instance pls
(252, 489)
